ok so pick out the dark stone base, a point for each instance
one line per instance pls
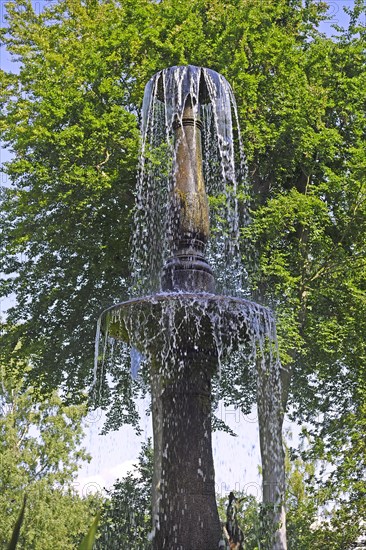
(188, 270)
(188, 514)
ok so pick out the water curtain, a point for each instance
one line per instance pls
(187, 316)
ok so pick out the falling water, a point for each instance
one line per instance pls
(225, 177)
(224, 174)
(160, 329)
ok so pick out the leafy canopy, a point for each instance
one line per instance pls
(71, 119)
(40, 453)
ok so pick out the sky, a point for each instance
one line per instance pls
(115, 454)
(236, 458)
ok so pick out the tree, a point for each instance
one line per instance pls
(309, 234)
(70, 117)
(65, 222)
(39, 454)
(126, 515)
(315, 518)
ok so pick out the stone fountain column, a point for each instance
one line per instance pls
(184, 329)
(185, 505)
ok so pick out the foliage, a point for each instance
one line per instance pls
(126, 514)
(309, 235)
(88, 541)
(70, 117)
(39, 455)
(86, 544)
(314, 518)
(317, 517)
(65, 221)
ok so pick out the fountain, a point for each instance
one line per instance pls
(185, 329)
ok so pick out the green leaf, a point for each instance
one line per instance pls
(88, 541)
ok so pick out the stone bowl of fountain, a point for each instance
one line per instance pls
(162, 323)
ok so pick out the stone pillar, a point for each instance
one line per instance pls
(188, 517)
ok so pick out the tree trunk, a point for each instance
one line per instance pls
(270, 415)
(157, 421)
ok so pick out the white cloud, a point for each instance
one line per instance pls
(85, 485)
